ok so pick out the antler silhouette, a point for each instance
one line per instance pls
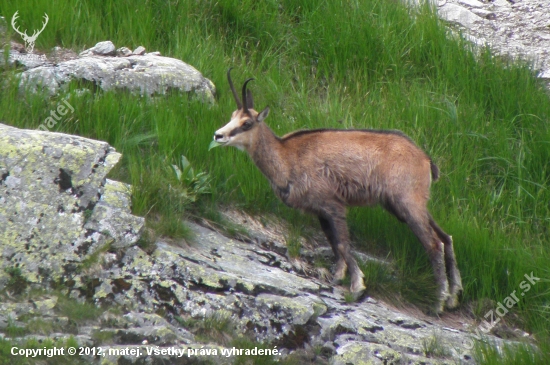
(13, 19)
(29, 40)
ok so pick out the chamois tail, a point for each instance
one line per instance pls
(435, 171)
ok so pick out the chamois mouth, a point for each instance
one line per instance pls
(215, 143)
(222, 140)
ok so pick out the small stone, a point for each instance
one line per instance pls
(104, 48)
(123, 52)
(139, 51)
(156, 53)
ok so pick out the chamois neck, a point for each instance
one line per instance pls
(267, 153)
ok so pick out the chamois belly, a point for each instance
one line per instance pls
(356, 193)
(351, 187)
(306, 196)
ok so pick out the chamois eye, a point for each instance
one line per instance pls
(247, 125)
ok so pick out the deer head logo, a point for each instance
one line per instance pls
(29, 40)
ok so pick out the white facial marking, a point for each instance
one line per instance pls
(222, 134)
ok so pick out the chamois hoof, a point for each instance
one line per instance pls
(339, 274)
(456, 290)
(357, 289)
(337, 279)
(437, 309)
(357, 295)
(452, 301)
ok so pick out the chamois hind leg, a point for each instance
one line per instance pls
(453, 274)
(419, 222)
(341, 267)
(336, 223)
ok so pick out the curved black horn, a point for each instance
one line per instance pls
(239, 104)
(245, 103)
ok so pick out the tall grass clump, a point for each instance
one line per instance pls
(328, 64)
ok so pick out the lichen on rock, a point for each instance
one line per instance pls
(140, 73)
(54, 202)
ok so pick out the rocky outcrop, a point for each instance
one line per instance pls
(56, 207)
(63, 225)
(106, 68)
(256, 289)
(515, 28)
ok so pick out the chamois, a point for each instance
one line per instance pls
(323, 171)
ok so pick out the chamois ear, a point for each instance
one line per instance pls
(263, 114)
(249, 100)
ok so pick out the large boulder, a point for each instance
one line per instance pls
(101, 67)
(56, 207)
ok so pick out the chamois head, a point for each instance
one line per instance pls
(242, 128)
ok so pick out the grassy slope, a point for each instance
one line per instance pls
(338, 64)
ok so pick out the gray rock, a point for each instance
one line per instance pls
(106, 48)
(25, 60)
(108, 218)
(144, 75)
(48, 182)
(484, 13)
(221, 276)
(515, 29)
(458, 14)
(502, 3)
(139, 51)
(123, 52)
(151, 329)
(472, 3)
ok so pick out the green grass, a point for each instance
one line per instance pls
(217, 327)
(17, 283)
(337, 64)
(510, 355)
(434, 347)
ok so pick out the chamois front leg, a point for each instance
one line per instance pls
(334, 222)
(341, 267)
